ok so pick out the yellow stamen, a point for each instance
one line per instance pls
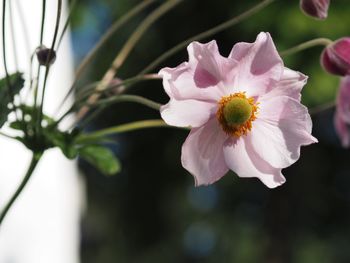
(236, 113)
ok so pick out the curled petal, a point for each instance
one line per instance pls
(202, 153)
(212, 67)
(241, 158)
(185, 113)
(259, 66)
(290, 85)
(284, 125)
(182, 83)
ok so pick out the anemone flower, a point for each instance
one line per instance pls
(244, 111)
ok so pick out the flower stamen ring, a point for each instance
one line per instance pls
(236, 113)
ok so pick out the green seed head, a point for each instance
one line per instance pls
(237, 111)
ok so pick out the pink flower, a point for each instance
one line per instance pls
(315, 8)
(244, 111)
(335, 58)
(342, 113)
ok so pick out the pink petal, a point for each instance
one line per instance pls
(343, 99)
(282, 127)
(202, 153)
(242, 159)
(184, 113)
(209, 62)
(259, 66)
(291, 84)
(342, 129)
(182, 83)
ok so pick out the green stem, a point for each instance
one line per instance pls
(13, 35)
(43, 14)
(91, 89)
(8, 82)
(206, 34)
(58, 18)
(71, 8)
(36, 87)
(306, 45)
(7, 136)
(126, 49)
(35, 159)
(130, 98)
(110, 32)
(132, 126)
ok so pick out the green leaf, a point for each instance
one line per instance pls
(100, 157)
(62, 140)
(16, 84)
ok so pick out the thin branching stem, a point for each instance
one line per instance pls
(7, 136)
(42, 28)
(7, 77)
(116, 89)
(71, 9)
(306, 45)
(13, 35)
(126, 49)
(110, 32)
(34, 161)
(233, 21)
(132, 126)
(58, 18)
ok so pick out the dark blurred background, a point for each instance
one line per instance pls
(151, 211)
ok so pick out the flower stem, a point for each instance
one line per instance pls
(68, 19)
(7, 136)
(126, 49)
(42, 29)
(8, 82)
(132, 126)
(129, 98)
(43, 15)
(205, 34)
(115, 88)
(35, 159)
(306, 45)
(110, 32)
(322, 107)
(47, 70)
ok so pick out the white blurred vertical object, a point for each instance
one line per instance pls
(43, 224)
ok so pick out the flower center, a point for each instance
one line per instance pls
(236, 113)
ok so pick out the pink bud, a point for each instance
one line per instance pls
(342, 114)
(335, 58)
(315, 8)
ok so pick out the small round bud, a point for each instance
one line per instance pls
(43, 53)
(237, 111)
(315, 8)
(335, 58)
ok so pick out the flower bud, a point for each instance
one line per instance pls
(335, 58)
(315, 8)
(43, 53)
